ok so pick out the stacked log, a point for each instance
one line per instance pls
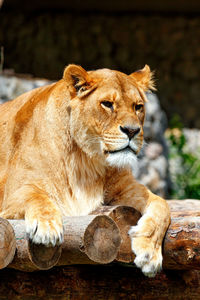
(87, 240)
(82, 265)
(102, 238)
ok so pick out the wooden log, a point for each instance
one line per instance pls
(190, 205)
(43, 257)
(7, 243)
(87, 239)
(181, 246)
(182, 241)
(124, 217)
(26, 257)
(98, 282)
(86, 242)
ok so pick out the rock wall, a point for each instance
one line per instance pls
(43, 43)
(152, 163)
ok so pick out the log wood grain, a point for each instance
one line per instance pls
(87, 239)
(7, 243)
(182, 241)
(100, 282)
(181, 245)
(96, 238)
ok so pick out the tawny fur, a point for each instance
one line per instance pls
(57, 156)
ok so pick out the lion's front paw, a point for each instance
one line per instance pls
(46, 232)
(148, 252)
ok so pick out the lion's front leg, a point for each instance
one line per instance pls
(43, 222)
(42, 215)
(147, 235)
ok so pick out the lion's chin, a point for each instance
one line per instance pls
(122, 159)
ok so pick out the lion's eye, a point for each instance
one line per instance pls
(107, 104)
(138, 107)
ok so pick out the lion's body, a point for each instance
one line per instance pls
(33, 151)
(67, 148)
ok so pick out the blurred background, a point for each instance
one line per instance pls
(39, 38)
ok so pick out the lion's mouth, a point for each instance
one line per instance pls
(127, 148)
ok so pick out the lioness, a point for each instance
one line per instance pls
(69, 147)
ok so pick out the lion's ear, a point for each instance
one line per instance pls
(144, 78)
(78, 80)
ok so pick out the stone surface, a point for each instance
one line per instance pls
(193, 141)
(11, 86)
(152, 163)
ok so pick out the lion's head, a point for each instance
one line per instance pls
(107, 112)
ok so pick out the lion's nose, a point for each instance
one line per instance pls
(130, 131)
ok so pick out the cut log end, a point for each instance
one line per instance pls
(43, 257)
(102, 240)
(7, 243)
(124, 217)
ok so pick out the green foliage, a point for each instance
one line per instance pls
(184, 166)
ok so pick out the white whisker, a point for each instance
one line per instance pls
(115, 140)
(112, 135)
(116, 144)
